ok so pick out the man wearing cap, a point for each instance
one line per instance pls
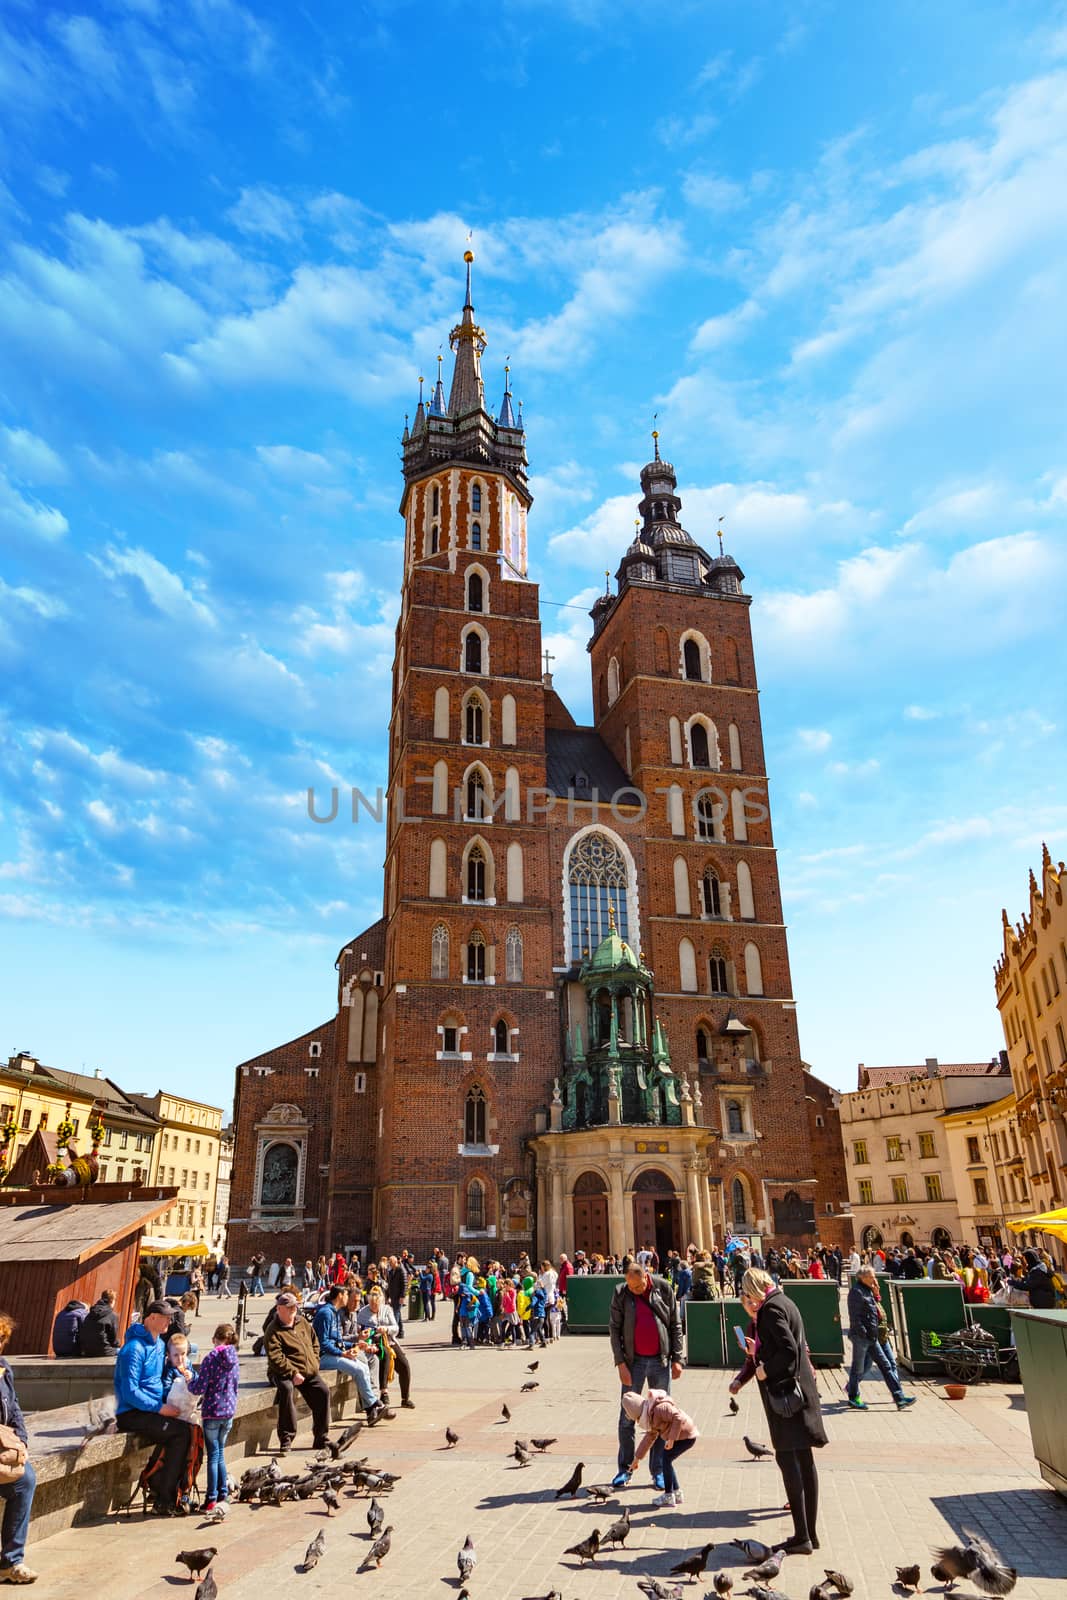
(141, 1409)
(292, 1366)
(646, 1342)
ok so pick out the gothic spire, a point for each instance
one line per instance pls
(420, 411)
(437, 404)
(506, 419)
(468, 342)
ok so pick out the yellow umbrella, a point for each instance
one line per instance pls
(172, 1247)
(1053, 1222)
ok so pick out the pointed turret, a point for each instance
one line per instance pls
(420, 412)
(468, 341)
(506, 419)
(406, 435)
(437, 404)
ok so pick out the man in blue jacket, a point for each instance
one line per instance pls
(141, 1408)
(338, 1354)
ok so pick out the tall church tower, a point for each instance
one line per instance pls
(466, 1023)
(676, 701)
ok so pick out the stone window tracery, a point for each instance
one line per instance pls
(597, 880)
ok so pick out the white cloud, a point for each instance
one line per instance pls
(710, 192)
(815, 738)
(721, 330)
(164, 588)
(31, 458)
(920, 714)
(265, 213)
(23, 515)
(289, 461)
(45, 605)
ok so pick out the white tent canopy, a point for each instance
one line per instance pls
(152, 1246)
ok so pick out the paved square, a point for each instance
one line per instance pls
(892, 1486)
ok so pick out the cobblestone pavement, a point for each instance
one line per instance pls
(892, 1486)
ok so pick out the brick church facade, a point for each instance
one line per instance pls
(573, 1027)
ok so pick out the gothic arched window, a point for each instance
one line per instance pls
(691, 658)
(717, 974)
(435, 540)
(472, 652)
(698, 744)
(739, 1202)
(597, 880)
(513, 956)
(476, 805)
(702, 1044)
(475, 592)
(475, 1206)
(474, 1117)
(474, 721)
(476, 536)
(436, 500)
(735, 1122)
(476, 497)
(439, 952)
(711, 894)
(476, 873)
(476, 958)
(706, 817)
(501, 1041)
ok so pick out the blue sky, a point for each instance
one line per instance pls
(825, 242)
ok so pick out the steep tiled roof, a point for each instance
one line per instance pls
(882, 1077)
(578, 759)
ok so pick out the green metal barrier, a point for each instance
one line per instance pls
(819, 1304)
(589, 1301)
(704, 1334)
(734, 1316)
(920, 1307)
(1041, 1338)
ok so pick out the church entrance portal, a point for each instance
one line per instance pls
(591, 1214)
(656, 1214)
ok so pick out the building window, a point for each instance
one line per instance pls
(436, 500)
(900, 1189)
(439, 952)
(277, 1190)
(475, 592)
(691, 658)
(26, 1121)
(597, 881)
(702, 1044)
(476, 804)
(698, 745)
(717, 975)
(476, 959)
(476, 497)
(866, 1192)
(711, 894)
(893, 1151)
(185, 1177)
(981, 1192)
(475, 1206)
(450, 1039)
(501, 1042)
(739, 1203)
(474, 1117)
(926, 1146)
(472, 653)
(706, 817)
(974, 1153)
(476, 873)
(475, 721)
(434, 539)
(513, 956)
(476, 536)
(735, 1122)
(933, 1186)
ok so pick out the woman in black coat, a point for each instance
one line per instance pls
(782, 1365)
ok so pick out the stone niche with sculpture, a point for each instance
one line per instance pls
(281, 1163)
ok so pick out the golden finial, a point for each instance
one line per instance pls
(468, 255)
(607, 581)
(719, 531)
(611, 916)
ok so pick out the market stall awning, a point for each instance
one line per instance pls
(172, 1247)
(1054, 1222)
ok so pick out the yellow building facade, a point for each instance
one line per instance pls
(31, 1098)
(989, 1179)
(186, 1158)
(1031, 985)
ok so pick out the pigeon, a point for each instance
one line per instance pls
(331, 1501)
(723, 1584)
(522, 1444)
(379, 1549)
(838, 1581)
(587, 1549)
(693, 1566)
(542, 1444)
(573, 1482)
(283, 1492)
(526, 1388)
(197, 1561)
(331, 1448)
(619, 1531)
(734, 1407)
(909, 1577)
(314, 1550)
(467, 1560)
(451, 1438)
(767, 1569)
(505, 1413)
(207, 1588)
(752, 1549)
(975, 1561)
(533, 1366)
(599, 1492)
(760, 1591)
(756, 1451)
(659, 1591)
(349, 1437)
(375, 1518)
(819, 1591)
(521, 1456)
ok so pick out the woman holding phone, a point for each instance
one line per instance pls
(790, 1400)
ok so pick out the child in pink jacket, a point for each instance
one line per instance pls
(665, 1424)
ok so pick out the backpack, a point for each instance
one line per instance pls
(187, 1490)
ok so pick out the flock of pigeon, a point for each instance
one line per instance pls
(974, 1560)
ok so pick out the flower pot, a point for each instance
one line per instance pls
(956, 1391)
